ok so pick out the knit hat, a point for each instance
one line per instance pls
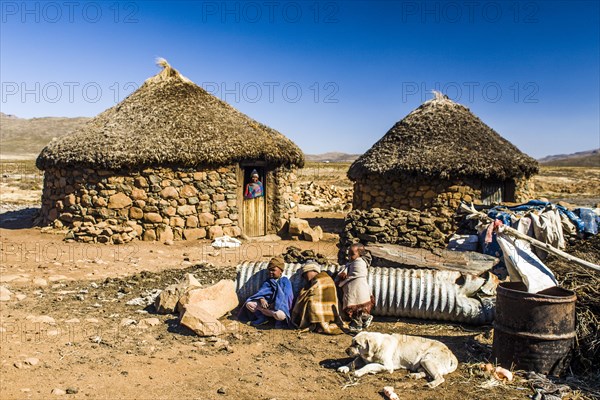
(311, 266)
(276, 262)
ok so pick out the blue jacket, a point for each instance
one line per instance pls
(278, 292)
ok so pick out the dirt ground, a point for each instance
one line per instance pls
(90, 347)
(68, 327)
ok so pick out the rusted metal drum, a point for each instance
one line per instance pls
(534, 332)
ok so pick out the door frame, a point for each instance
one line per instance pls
(240, 173)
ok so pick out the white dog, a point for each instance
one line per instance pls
(381, 352)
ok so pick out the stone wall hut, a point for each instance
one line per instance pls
(168, 162)
(438, 155)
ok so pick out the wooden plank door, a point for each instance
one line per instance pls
(254, 216)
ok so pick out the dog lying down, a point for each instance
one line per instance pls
(382, 352)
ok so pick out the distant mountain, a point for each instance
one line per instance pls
(590, 158)
(27, 137)
(332, 157)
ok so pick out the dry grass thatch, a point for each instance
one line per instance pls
(586, 284)
(170, 121)
(445, 139)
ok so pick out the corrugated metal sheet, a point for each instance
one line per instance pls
(399, 292)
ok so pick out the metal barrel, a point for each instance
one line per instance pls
(534, 331)
(398, 292)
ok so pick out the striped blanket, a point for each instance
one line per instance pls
(317, 306)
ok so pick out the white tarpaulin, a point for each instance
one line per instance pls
(524, 266)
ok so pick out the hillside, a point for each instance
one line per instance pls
(332, 157)
(590, 158)
(27, 137)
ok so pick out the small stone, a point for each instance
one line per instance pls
(221, 390)
(148, 322)
(40, 282)
(21, 296)
(57, 278)
(58, 392)
(128, 322)
(42, 319)
(72, 390)
(31, 361)
(5, 294)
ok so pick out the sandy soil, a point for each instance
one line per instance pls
(87, 348)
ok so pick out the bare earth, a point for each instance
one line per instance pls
(89, 352)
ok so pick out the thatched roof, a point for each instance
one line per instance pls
(443, 139)
(170, 121)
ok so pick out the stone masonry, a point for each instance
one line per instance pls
(152, 204)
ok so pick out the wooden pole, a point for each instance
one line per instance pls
(534, 242)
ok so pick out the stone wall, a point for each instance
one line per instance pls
(524, 190)
(284, 200)
(411, 228)
(321, 197)
(152, 204)
(439, 196)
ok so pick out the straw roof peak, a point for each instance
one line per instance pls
(167, 73)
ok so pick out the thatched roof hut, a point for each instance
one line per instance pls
(169, 121)
(435, 157)
(169, 162)
(444, 139)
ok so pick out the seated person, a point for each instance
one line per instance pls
(357, 301)
(254, 188)
(272, 301)
(316, 308)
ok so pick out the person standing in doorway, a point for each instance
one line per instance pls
(254, 188)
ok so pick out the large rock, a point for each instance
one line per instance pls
(153, 217)
(166, 301)
(194, 233)
(215, 231)
(297, 226)
(169, 193)
(139, 194)
(186, 210)
(217, 299)
(119, 200)
(201, 321)
(313, 234)
(136, 213)
(206, 219)
(188, 191)
(165, 233)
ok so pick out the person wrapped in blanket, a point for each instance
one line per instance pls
(357, 301)
(273, 301)
(316, 307)
(254, 188)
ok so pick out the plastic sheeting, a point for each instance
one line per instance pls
(524, 266)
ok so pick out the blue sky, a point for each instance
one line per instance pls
(332, 76)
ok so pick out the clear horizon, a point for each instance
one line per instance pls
(331, 76)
